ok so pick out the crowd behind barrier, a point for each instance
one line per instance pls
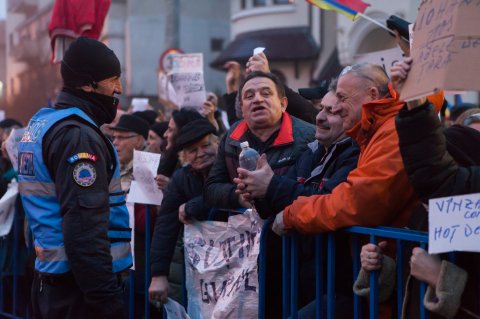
(14, 289)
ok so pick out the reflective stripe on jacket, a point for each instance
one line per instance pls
(39, 197)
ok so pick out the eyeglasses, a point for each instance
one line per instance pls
(122, 138)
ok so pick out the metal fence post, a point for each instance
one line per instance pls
(294, 276)
(319, 277)
(357, 304)
(331, 276)
(286, 271)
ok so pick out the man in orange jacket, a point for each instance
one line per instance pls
(377, 192)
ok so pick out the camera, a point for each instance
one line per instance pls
(396, 23)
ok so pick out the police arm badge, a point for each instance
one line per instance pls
(84, 174)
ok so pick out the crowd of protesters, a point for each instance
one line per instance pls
(348, 152)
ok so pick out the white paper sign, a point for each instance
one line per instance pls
(454, 224)
(187, 79)
(12, 145)
(384, 58)
(175, 310)
(143, 188)
(7, 209)
(139, 104)
(221, 267)
(166, 92)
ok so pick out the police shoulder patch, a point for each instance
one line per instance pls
(84, 174)
(82, 156)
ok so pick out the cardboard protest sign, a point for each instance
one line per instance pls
(385, 58)
(12, 145)
(7, 208)
(221, 267)
(186, 76)
(446, 48)
(143, 188)
(454, 224)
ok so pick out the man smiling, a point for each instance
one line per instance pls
(325, 164)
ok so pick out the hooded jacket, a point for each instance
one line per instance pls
(376, 193)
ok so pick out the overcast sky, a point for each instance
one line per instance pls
(3, 9)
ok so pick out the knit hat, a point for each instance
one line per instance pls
(193, 132)
(88, 61)
(159, 128)
(131, 123)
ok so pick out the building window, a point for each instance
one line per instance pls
(216, 44)
(259, 3)
(282, 1)
(243, 4)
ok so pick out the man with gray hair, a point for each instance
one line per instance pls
(378, 191)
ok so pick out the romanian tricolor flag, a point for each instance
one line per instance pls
(349, 8)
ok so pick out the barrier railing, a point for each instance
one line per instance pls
(13, 309)
(327, 299)
(290, 273)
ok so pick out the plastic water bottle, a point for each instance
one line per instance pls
(248, 157)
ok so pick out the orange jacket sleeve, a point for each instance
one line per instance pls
(376, 193)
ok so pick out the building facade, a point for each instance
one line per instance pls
(137, 30)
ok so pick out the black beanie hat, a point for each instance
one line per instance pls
(184, 116)
(88, 61)
(159, 128)
(132, 123)
(193, 132)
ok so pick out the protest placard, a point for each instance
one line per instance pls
(7, 208)
(445, 50)
(454, 224)
(143, 188)
(139, 104)
(385, 58)
(186, 76)
(221, 267)
(12, 145)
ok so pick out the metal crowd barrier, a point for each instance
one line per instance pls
(290, 271)
(14, 309)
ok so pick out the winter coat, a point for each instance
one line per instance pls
(282, 151)
(317, 171)
(376, 193)
(434, 173)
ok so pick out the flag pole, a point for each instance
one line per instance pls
(379, 24)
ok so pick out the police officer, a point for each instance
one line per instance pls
(70, 187)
